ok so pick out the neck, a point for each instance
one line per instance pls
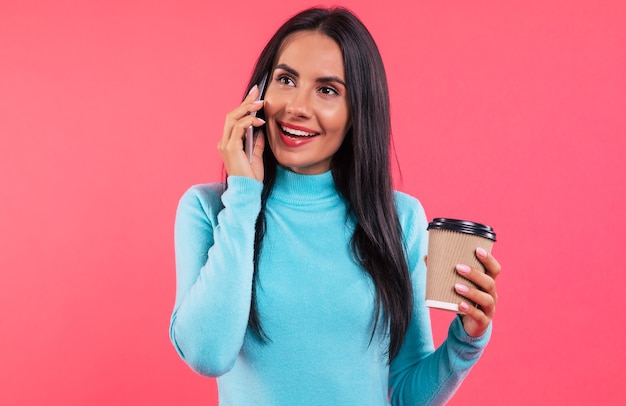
(295, 188)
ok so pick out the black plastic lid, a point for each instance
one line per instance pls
(462, 226)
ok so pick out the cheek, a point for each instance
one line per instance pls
(272, 108)
(273, 101)
(337, 119)
(268, 107)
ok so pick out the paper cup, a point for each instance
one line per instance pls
(452, 242)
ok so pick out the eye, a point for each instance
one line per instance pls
(285, 80)
(328, 91)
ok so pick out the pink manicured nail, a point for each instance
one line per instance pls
(464, 306)
(461, 288)
(464, 269)
(251, 90)
(481, 252)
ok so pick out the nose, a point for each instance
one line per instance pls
(299, 104)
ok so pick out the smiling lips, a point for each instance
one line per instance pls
(293, 136)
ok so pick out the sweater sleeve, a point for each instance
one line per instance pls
(421, 375)
(214, 246)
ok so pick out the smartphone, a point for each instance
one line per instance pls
(249, 144)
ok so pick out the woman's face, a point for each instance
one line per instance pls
(306, 103)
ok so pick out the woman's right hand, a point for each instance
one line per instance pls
(230, 146)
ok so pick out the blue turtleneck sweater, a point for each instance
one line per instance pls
(315, 302)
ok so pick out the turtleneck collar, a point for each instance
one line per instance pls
(295, 188)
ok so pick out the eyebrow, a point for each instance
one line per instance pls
(323, 79)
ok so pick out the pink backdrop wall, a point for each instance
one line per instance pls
(511, 113)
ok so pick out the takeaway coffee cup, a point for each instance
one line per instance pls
(452, 242)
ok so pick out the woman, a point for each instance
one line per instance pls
(302, 281)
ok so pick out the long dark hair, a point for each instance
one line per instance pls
(361, 167)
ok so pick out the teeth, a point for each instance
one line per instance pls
(297, 133)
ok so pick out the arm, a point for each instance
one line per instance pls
(214, 253)
(421, 375)
(214, 265)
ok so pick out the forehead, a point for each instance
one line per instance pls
(312, 51)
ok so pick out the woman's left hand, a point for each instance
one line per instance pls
(477, 319)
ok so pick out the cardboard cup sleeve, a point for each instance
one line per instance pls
(452, 242)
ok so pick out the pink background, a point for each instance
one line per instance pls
(511, 113)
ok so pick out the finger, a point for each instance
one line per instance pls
(242, 127)
(236, 161)
(484, 281)
(479, 320)
(253, 93)
(257, 155)
(248, 104)
(483, 300)
(259, 144)
(242, 111)
(232, 139)
(492, 267)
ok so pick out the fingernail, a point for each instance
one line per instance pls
(261, 120)
(461, 288)
(481, 252)
(251, 90)
(464, 269)
(463, 306)
(258, 102)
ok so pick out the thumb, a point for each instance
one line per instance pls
(259, 143)
(257, 155)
